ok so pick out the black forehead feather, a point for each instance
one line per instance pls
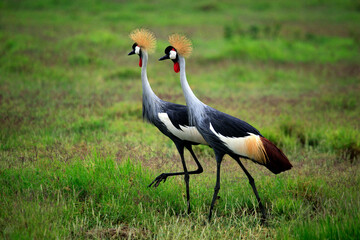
(168, 49)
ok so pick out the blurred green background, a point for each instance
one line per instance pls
(76, 157)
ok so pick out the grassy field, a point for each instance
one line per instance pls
(76, 157)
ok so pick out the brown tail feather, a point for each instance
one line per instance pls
(276, 160)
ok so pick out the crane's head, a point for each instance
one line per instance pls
(136, 50)
(180, 45)
(144, 41)
(171, 53)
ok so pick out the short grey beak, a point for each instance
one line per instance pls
(164, 57)
(131, 53)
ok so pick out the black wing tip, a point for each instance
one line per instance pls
(277, 170)
(277, 162)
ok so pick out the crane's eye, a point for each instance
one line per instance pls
(137, 50)
(172, 54)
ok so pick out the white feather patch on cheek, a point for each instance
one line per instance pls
(137, 50)
(172, 54)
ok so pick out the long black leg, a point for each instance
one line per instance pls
(200, 169)
(180, 148)
(252, 183)
(163, 176)
(219, 157)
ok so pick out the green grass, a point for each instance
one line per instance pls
(97, 194)
(76, 157)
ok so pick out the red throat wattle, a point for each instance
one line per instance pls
(140, 62)
(176, 67)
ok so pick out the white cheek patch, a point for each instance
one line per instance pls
(137, 50)
(186, 133)
(172, 54)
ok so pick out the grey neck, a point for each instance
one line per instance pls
(147, 91)
(150, 101)
(195, 106)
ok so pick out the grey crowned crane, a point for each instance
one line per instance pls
(170, 118)
(224, 133)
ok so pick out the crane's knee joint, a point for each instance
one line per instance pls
(186, 177)
(251, 180)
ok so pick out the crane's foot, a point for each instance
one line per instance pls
(263, 220)
(158, 180)
(263, 213)
(189, 211)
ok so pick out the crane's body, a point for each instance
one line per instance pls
(224, 133)
(170, 118)
(229, 135)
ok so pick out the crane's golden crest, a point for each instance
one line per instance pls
(181, 43)
(144, 38)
